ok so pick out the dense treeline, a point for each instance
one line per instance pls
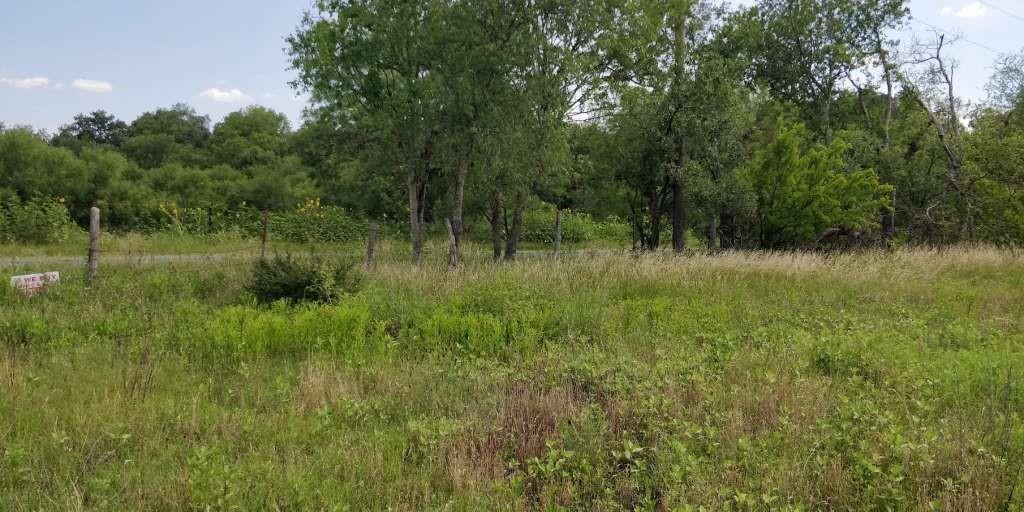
(790, 124)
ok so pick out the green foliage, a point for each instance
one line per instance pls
(298, 280)
(345, 330)
(252, 136)
(95, 129)
(804, 190)
(577, 227)
(313, 223)
(597, 384)
(474, 111)
(37, 221)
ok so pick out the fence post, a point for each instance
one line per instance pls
(94, 245)
(263, 236)
(370, 243)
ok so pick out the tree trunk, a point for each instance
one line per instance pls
(558, 232)
(453, 245)
(826, 117)
(512, 240)
(457, 208)
(678, 215)
(889, 229)
(712, 234)
(417, 189)
(496, 225)
(653, 238)
(726, 229)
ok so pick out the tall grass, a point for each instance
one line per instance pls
(603, 381)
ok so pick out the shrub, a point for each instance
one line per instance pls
(577, 227)
(239, 332)
(36, 221)
(302, 280)
(315, 223)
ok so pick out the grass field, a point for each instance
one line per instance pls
(742, 381)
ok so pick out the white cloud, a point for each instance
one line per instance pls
(225, 96)
(969, 11)
(26, 83)
(92, 85)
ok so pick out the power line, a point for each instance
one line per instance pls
(959, 36)
(1000, 9)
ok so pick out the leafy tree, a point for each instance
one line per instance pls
(807, 48)
(373, 64)
(278, 186)
(252, 136)
(31, 168)
(96, 128)
(1006, 86)
(805, 194)
(176, 134)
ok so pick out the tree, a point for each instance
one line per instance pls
(96, 128)
(373, 65)
(804, 194)
(177, 134)
(252, 136)
(930, 83)
(807, 47)
(656, 55)
(1006, 87)
(563, 62)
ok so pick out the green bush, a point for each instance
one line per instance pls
(298, 280)
(313, 223)
(37, 221)
(344, 330)
(577, 227)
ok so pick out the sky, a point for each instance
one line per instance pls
(63, 57)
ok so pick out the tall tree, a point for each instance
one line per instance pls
(655, 56)
(252, 136)
(808, 47)
(96, 128)
(373, 63)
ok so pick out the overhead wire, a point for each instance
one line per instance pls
(959, 36)
(1001, 9)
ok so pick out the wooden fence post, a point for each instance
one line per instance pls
(370, 243)
(263, 237)
(94, 245)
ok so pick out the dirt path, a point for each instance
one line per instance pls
(38, 263)
(120, 259)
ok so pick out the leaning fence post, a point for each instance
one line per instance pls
(370, 243)
(94, 245)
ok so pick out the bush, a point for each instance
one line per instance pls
(313, 223)
(37, 221)
(577, 227)
(298, 280)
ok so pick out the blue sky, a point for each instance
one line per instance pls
(62, 57)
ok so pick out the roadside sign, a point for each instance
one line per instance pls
(32, 283)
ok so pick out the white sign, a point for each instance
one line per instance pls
(32, 283)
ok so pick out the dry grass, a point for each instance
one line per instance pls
(323, 383)
(594, 268)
